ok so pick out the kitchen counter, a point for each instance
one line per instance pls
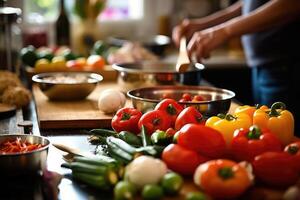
(34, 187)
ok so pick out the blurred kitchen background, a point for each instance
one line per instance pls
(38, 24)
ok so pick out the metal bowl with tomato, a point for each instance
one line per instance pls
(67, 86)
(211, 100)
(29, 160)
(154, 73)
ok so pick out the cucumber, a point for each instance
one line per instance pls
(86, 168)
(145, 138)
(130, 138)
(96, 181)
(124, 191)
(103, 132)
(152, 192)
(93, 170)
(99, 160)
(117, 152)
(171, 183)
(121, 144)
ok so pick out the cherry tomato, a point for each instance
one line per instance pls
(126, 119)
(182, 160)
(189, 115)
(275, 168)
(294, 150)
(202, 139)
(197, 98)
(154, 120)
(222, 179)
(186, 97)
(171, 109)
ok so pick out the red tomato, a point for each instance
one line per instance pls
(246, 144)
(197, 98)
(154, 120)
(186, 97)
(189, 115)
(275, 168)
(96, 62)
(294, 149)
(182, 160)
(171, 108)
(222, 179)
(126, 119)
(202, 139)
(76, 65)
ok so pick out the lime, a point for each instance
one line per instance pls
(171, 183)
(124, 190)
(151, 191)
(195, 196)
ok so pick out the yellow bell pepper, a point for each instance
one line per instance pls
(278, 120)
(227, 124)
(249, 110)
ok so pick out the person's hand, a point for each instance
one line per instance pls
(186, 29)
(203, 42)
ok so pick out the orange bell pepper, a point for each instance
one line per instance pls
(249, 110)
(278, 120)
(227, 124)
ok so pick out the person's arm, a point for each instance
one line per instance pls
(189, 26)
(271, 14)
(221, 16)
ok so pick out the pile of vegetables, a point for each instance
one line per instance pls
(45, 59)
(225, 154)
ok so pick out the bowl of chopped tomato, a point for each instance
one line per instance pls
(22, 154)
(208, 100)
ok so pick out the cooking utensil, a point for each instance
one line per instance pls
(59, 90)
(72, 150)
(24, 163)
(216, 101)
(183, 60)
(146, 74)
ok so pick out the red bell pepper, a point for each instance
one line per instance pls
(294, 149)
(275, 168)
(202, 139)
(182, 160)
(171, 108)
(154, 120)
(126, 119)
(246, 144)
(187, 116)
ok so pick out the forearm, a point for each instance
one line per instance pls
(221, 16)
(273, 13)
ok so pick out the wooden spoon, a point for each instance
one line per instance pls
(73, 151)
(183, 60)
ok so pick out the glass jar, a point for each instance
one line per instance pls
(10, 38)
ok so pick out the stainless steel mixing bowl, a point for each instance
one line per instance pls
(146, 74)
(217, 100)
(24, 163)
(64, 91)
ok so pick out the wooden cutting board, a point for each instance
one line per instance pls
(77, 114)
